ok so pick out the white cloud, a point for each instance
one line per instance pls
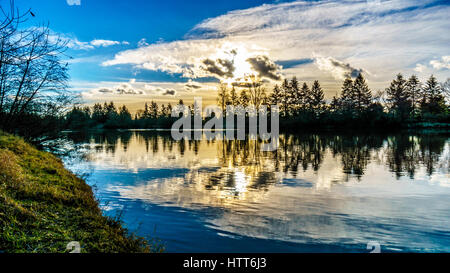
(420, 68)
(73, 2)
(142, 42)
(104, 43)
(444, 63)
(74, 43)
(374, 36)
(338, 69)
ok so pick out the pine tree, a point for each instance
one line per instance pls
(361, 94)
(317, 95)
(285, 88)
(306, 95)
(97, 113)
(275, 97)
(234, 99)
(169, 109)
(398, 97)
(335, 103)
(433, 101)
(146, 113)
(163, 110)
(222, 96)
(346, 99)
(124, 119)
(295, 95)
(153, 110)
(413, 89)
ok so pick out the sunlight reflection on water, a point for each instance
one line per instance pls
(317, 192)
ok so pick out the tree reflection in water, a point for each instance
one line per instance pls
(244, 166)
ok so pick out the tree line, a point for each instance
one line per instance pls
(404, 102)
(109, 116)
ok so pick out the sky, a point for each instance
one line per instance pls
(132, 52)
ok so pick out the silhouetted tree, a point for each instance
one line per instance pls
(124, 118)
(317, 95)
(432, 101)
(306, 95)
(346, 99)
(285, 88)
(234, 98)
(295, 98)
(33, 77)
(222, 96)
(398, 97)
(275, 97)
(361, 94)
(414, 90)
(257, 92)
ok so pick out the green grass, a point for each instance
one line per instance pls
(43, 206)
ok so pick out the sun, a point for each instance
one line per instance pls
(238, 54)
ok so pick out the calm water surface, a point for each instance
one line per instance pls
(316, 193)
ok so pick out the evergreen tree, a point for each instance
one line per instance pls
(285, 88)
(317, 95)
(153, 110)
(222, 96)
(346, 99)
(169, 110)
(275, 97)
(110, 111)
(335, 103)
(445, 86)
(97, 113)
(361, 94)
(124, 120)
(295, 98)
(306, 95)
(146, 113)
(398, 97)
(234, 98)
(433, 101)
(413, 89)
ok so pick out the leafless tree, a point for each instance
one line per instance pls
(33, 78)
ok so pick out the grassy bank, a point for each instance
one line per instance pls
(43, 206)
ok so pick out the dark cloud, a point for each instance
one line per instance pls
(123, 89)
(105, 90)
(127, 89)
(242, 84)
(246, 84)
(219, 67)
(265, 67)
(349, 70)
(169, 92)
(192, 85)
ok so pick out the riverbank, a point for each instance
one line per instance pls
(43, 206)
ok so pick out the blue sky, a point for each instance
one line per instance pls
(135, 51)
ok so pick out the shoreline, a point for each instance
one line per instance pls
(44, 206)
